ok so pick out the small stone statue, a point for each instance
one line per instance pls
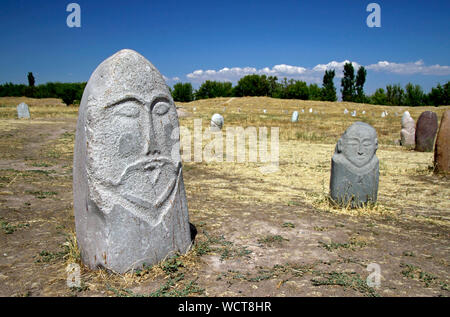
(217, 121)
(355, 167)
(408, 132)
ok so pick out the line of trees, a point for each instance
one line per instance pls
(352, 90)
(68, 92)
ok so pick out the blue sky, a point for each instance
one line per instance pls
(224, 40)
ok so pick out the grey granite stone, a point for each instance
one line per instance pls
(217, 121)
(23, 111)
(129, 198)
(408, 132)
(355, 166)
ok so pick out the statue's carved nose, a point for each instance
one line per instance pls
(152, 143)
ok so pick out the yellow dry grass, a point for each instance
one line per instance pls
(39, 108)
(306, 147)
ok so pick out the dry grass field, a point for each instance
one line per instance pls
(259, 234)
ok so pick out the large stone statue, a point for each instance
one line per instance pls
(129, 197)
(355, 167)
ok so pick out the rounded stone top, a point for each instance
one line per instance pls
(126, 72)
(217, 121)
(427, 115)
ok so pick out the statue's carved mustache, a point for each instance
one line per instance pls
(148, 164)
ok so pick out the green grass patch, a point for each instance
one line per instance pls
(41, 194)
(272, 239)
(350, 280)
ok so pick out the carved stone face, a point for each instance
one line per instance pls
(132, 131)
(358, 144)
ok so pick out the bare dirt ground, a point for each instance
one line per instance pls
(258, 234)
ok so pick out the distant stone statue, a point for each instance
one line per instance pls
(426, 129)
(355, 167)
(129, 198)
(23, 112)
(294, 116)
(408, 132)
(217, 121)
(442, 147)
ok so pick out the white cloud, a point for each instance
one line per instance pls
(337, 66)
(315, 74)
(410, 68)
(235, 73)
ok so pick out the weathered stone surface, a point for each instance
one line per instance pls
(23, 111)
(408, 132)
(217, 121)
(355, 166)
(442, 147)
(294, 116)
(426, 129)
(129, 197)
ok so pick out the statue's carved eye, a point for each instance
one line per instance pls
(128, 109)
(367, 143)
(161, 108)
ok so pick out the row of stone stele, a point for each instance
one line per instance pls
(129, 198)
(422, 137)
(130, 202)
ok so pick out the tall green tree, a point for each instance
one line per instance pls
(252, 85)
(414, 95)
(297, 89)
(395, 95)
(446, 97)
(31, 80)
(182, 92)
(315, 92)
(328, 88)
(348, 83)
(436, 96)
(213, 89)
(379, 97)
(359, 84)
